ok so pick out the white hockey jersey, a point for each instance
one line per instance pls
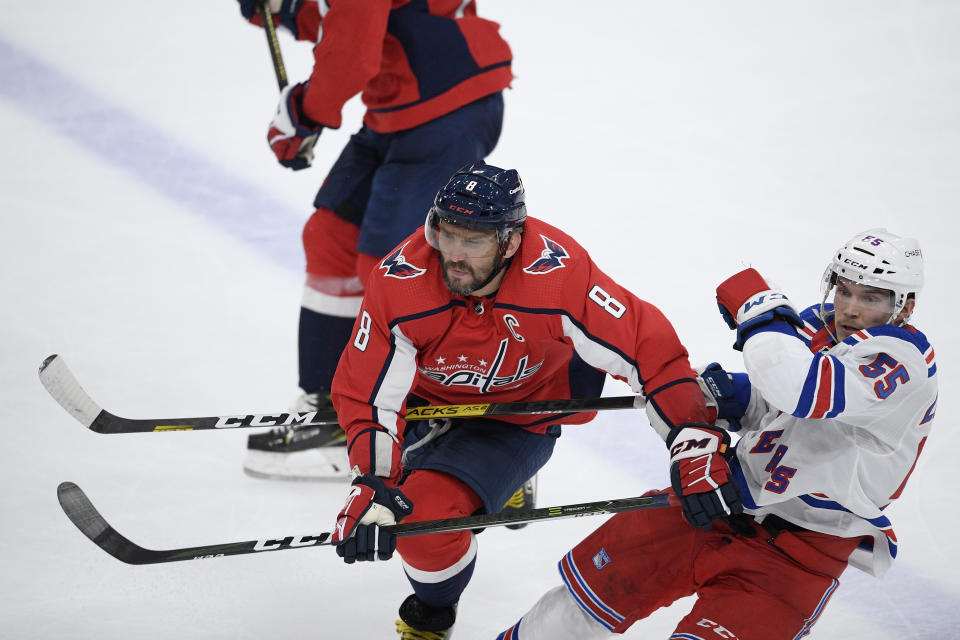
(833, 431)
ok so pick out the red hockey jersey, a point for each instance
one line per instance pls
(414, 335)
(414, 60)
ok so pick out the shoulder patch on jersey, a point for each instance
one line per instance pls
(551, 258)
(396, 265)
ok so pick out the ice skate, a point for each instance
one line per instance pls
(297, 452)
(524, 499)
(420, 621)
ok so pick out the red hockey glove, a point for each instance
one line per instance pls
(369, 506)
(700, 475)
(747, 302)
(292, 135)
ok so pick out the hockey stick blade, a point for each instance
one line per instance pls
(93, 525)
(64, 388)
(85, 516)
(61, 384)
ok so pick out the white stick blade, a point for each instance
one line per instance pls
(64, 388)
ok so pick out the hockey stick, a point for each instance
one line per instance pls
(86, 517)
(64, 388)
(266, 15)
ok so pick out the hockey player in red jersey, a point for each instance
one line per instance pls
(833, 414)
(431, 76)
(484, 304)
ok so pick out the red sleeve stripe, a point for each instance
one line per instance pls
(824, 392)
(511, 633)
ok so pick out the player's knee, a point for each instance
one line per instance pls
(434, 552)
(330, 244)
(437, 496)
(366, 263)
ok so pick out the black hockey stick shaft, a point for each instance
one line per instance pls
(93, 525)
(266, 15)
(66, 390)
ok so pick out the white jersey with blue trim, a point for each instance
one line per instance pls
(834, 430)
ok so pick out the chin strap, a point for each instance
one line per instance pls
(502, 266)
(822, 313)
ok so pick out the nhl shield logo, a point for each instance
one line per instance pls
(551, 258)
(601, 559)
(396, 265)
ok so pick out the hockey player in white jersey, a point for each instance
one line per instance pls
(833, 412)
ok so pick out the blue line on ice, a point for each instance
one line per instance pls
(151, 156)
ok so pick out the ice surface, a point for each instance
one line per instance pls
(150, 238)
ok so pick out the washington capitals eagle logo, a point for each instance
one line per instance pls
(550, 258)
(396, 265)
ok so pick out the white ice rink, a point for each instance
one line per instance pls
(150, 238)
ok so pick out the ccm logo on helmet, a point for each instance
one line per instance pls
(454, 207)
(854, 263)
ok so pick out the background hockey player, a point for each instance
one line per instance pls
(483, 305)
(836, 409)
(431, 77)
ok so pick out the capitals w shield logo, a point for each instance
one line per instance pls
(550, 258)
(396, 265)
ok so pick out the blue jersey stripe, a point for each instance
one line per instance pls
(809, 388)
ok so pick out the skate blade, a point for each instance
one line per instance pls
(312, 465)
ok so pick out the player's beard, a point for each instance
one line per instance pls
(468, 286)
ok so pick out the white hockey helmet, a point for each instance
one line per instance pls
(878, 258)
